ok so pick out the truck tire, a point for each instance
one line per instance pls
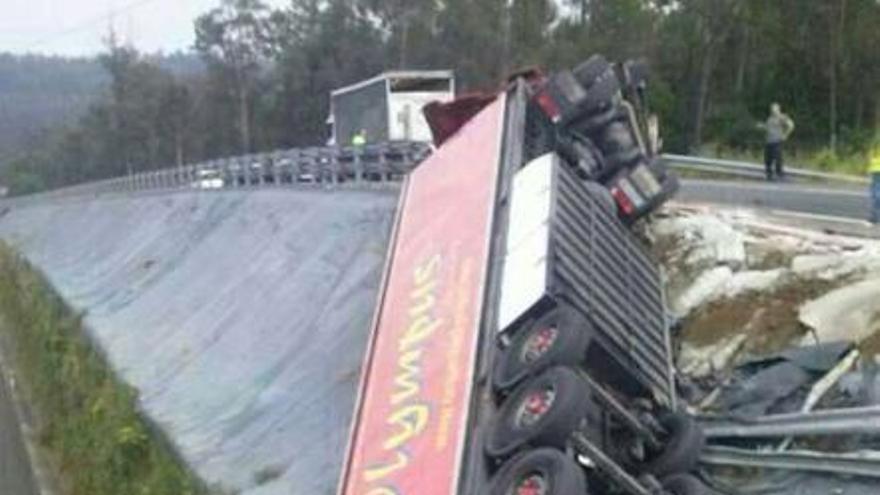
(542, 412)
(558, 338)
(541, 472)
(587, 72)
(590, 125)
(617, 137)
(619, 146)
(681, 449)
(624, 158)
(684, 484)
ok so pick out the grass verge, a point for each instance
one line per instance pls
(88, 421)
(821, 160)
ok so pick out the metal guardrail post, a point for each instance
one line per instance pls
(358, 164)
(334, 167)
(262, 170)
(228, 174)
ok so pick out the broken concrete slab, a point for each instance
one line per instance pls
(722, 282)
(709, 285)
(836, 265)
(743, 282)
(699, 362)
(851, 313)
(710, 240)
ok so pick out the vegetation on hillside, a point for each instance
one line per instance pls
(717, 65)
(88, 420)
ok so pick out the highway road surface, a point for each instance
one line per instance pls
(16, 476)
(834, 201)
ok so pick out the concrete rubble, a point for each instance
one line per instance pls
(737, 258)
(851, 313)
(776, 324)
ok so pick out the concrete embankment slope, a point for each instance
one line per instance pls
(240, 317)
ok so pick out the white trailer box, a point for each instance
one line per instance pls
(389, 106)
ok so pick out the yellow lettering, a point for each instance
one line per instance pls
(427, 270)
(420, 329)
(408, 417)
(382, 490)
(383, 470)
(410, 420)
(407, 380)
(423, 298)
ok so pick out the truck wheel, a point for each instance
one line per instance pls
(542, 412)
(684, 484)
(616, 138)
(539, 472)
(681, 448)
(593, 124)
(558, 338)
(624, 159)
(587, 72)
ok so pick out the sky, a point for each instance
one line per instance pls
(77, 27)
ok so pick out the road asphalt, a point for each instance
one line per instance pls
(847, 202)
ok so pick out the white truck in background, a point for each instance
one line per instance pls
(388, 107)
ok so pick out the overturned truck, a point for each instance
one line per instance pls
(520, 344)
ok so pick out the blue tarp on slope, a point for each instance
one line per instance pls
(241, 317)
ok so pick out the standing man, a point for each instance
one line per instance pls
(874, 170)
(778, 127)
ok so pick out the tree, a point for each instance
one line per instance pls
(320, 46)
(403, 21)
(716, 66)
(233, 39)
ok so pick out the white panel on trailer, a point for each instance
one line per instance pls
(524, 276)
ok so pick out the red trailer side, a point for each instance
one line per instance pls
(409, 428)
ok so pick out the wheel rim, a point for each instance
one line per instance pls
(534, 406)
(538, 344)
(531, 484)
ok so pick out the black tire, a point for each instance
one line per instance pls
(516, 425)
(684, 484)
(567, 348)
(616, 138)
(624, 159)
(562, 475)
(681, 448)
(600, 95)
(587, 72)
(592, 124)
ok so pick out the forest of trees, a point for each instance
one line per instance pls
(266, 74)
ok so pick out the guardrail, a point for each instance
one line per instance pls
(318, 167)
(336, 167)
(752, 170)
